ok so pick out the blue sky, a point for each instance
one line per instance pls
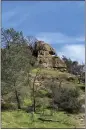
(60, 23)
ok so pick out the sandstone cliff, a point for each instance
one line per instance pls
(47, 57)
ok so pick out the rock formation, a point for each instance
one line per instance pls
(47, 57)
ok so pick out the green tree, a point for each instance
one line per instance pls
(9, 36)
(75, 68)
(16, 64)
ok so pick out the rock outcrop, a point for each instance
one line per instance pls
(47, 57)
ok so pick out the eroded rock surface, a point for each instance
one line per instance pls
(47, 57)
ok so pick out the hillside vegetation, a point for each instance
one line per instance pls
(39, 89)
(20, 119)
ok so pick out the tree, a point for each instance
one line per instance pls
(34, 89)
(9, 36)
(16, 63)
(75, 68)
(31, 41)
(68, 63)
(50, 87)
(66, 99)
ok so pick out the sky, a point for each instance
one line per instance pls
(59, 23)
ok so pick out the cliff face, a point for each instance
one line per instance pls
(47, 57)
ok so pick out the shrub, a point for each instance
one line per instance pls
(82, 87)
(27, 102)
(8, 106)
(27, 105)
(42, 93)
(67, 99)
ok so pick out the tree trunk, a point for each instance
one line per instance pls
(34, 105)
(34, 101)
(17, 99)
(79, 80)
(60, 84)
(34, 96)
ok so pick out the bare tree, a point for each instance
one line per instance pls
(31, 40)
(34, 89)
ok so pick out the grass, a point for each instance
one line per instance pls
(53, 73)
(21, 119)
(61, 75)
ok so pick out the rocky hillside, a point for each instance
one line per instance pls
(47, 57)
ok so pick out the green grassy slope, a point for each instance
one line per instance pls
(21, 119)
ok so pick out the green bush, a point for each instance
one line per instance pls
(67, 99)
(82, 87)
(8, 106)
(27, 102)
(42, 93)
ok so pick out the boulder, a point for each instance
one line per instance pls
(47, 57)
(82, 110)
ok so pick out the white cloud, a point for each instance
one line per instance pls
(56, 38)
(75, 52)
